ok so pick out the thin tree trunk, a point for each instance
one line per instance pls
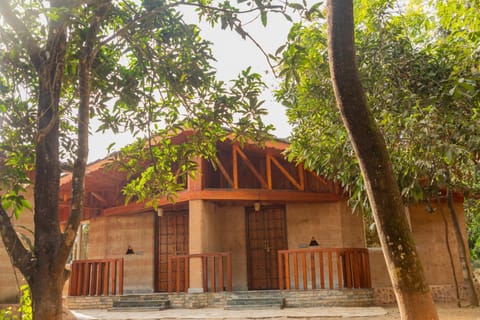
(406, 273)
(462, 252)
(449, 249)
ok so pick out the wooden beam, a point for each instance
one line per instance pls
(99, 198)
(286, 173)
(235, 168)
(228, 195)
(250, 166)
(224, 172)
(301, 176)
(269, 170)
(196, 183)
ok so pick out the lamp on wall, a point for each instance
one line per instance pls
(257, 206)
(159, 212)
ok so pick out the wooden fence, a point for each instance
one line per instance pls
(216, 271)
(101, 277)
(323, 268)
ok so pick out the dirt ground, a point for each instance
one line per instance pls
(445, 312)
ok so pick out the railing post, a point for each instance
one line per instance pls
(220, 272)
(186, 268)
(304, 271)
(280, 270)
(229, 272)
(120, 277)
(169, 274)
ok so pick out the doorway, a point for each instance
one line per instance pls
(171, 239)
(266, 234)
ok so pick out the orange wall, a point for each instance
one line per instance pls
(109, 237)
(429, 234)
(332, 224)
(8, 283)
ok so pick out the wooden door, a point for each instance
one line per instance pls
(171, 239)
(266, 234)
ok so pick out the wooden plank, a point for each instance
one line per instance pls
(322, 271)
(356, 268)
(235, 168)
(287, 271)
(301, 177)
(114, 278)
(205, 273)
(106, 278)
(295, 270)
(225, 173)
(212, 273)
(229, 272)
(195, 183)
(330, 269)
(268, 163)
(338, 255)
(186, 268)
(251, 166)
(348, 270)
(120, 276)
(286, 174)
(281, 284)
(169, 275)
(304, 271)
(313, 276)
(220, 273)
(177, 275)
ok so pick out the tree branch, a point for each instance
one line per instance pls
(23, 33)
(78, 176)
(21, 257)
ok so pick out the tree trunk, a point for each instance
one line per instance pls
(449, 250)
(46, 290)
(406, 273)
(462, 253)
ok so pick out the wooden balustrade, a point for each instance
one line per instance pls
(323, 268)
(216, 271)
(96, 277)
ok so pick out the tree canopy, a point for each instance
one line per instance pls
(420, 68)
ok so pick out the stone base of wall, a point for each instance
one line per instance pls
(441, 294)
(293, 299)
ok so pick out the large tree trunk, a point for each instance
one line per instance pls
(406, 273)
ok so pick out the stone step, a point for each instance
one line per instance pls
(141, 302)
(253, 307)
(248, 302)
(136, 309)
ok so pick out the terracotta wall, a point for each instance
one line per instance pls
(8, 282)
(429, 234)
(219, 228)
(110, 237)
(332, 224)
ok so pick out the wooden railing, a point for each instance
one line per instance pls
(320, 268)
(216, 271)
(96, 277)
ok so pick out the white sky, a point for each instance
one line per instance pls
(233, 54)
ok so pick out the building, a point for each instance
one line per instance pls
(243, 224)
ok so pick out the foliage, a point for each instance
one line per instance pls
(24, 310)
(421, 79)
(472, 214)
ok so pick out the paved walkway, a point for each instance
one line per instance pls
(217, 313)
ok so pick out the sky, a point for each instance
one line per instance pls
(233, 55)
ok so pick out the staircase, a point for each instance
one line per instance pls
(141, 303)
(251, 300)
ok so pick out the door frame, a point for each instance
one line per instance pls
(156, 255)
(249, 209)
